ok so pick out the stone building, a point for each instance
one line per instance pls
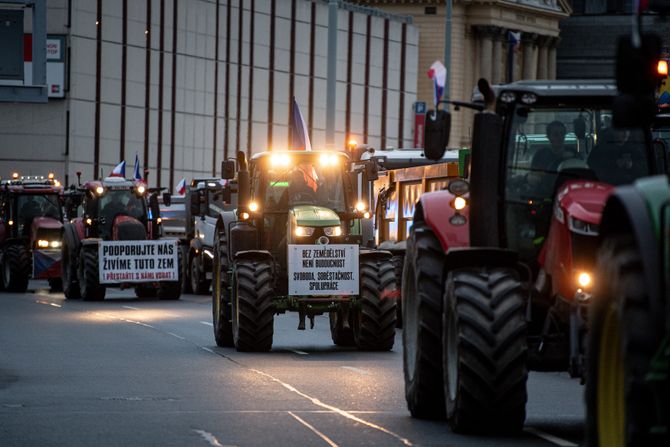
(481, 44)
(186, 83)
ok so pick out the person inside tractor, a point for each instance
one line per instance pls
(618, 158)
(32, 206)
(122, 202)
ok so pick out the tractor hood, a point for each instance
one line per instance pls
(47, 223)
(314, 216)
(584, 200)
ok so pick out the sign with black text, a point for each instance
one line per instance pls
(138, 261)
(323, 270)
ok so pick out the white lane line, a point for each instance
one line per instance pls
(311, 427)
(208, 350)
(206, 323)
(177, 336)
(339, 411)
(210, 438)
(551, 438)
(55, 305)
(298, 352)
(131, 307)
(358, 370)
(48, 303)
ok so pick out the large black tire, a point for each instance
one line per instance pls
(422, 320)
(55, 284)
(16, 268)
(484, 350)
(90, 288)
(69, 268)
(622, 341)
(199, 285)
(253, 309)
(374, 318)
(221, 306)
(171, 290)
(341, 334)
(398, 263)
(185, 281)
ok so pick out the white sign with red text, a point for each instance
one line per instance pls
(138, 261)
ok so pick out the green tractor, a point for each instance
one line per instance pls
(628, 383)
(294, 244)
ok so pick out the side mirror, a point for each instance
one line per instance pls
(436, 134)
(228, 169)
(371, 170)
(167, 199)
(154, 207)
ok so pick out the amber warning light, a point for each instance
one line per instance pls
(662, 68)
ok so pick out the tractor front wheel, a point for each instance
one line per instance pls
(89, 281)
(422, 323)
(16, 268)
(199, 284)
(171, 290)
(252, 306)
(69, 269)
(342, 334)
(484, 350)
(221, 311)
(620, 409)
(374, 319)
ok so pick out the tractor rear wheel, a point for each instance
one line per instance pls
(620, 408)
(221, 311)
(484, 350)
(398, 262)
(16, 268)
(69, 269)
(341, 334)
(55, 284)
(89, 281)
(374, 319)
(145, 291)
(171, 290)
(252, 306)
(422, 320)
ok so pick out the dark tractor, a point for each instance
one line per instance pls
(31, 230)
(499, 271)
(294, 244)
(110, 239)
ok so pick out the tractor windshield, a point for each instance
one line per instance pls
(124, 202)
(304, 183)
(548, 146)
(30, 206)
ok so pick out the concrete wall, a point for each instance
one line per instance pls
(27, 129)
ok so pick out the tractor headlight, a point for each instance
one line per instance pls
(42, 243)
(253, 207)
(99, 190)
(459, 203)
(360, 206)
(333, 231)
(141, 189)
(580, 227)
(304, 231)
(584, 279)
(280, 160)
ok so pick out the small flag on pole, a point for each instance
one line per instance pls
(514, 39)
(119, 170)
(136, 173)
(298, 136)
(438, 73)
(181, 187)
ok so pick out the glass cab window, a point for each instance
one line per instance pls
(547, 147)
(31, 206)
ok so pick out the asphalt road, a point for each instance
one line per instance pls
(142, 372)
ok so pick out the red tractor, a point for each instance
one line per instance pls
(113, 239)
(31, 229)
(499, 268)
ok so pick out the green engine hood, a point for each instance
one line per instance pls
(314, 216)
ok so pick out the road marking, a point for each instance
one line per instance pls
(551, 438)
(311, 427)
(358, 370)
(208, 350)
(48, 303)
(210, 438)
(207, 323)
(299, 352)
(175, 335)
(342, 413)
(131, 307)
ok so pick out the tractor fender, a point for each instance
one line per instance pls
(254, 254)
(90, 242)
(78, 225)
(460, 257)
(434, 208)
(396, 248)
(626, 211)
(365, 254)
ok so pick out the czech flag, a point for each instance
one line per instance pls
(119, 170)
(136, 172)
(298, 136)
(181, 187)
(438, 73)
(514, 40)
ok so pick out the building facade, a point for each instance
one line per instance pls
(186, 83)
(482, 44)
